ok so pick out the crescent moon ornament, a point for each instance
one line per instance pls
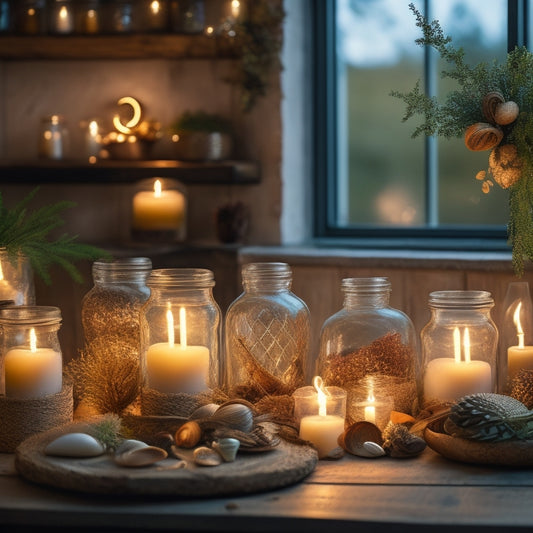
(136, 111)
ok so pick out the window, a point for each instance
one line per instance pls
(373, 179)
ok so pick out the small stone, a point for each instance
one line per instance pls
(75, 445)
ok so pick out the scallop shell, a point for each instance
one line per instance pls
(235, 416)
(204, 411)
(188, 435)
(75, 445)
(506, 113)
(482, 136)
(227, 448)
(355, 436)
(505, 165)
(490, 103)
(204, 456)
(140, 456)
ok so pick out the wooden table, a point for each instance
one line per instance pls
(352, 494)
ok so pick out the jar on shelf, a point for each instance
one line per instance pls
(61, 16)
(369, 349)
(88, 17)
(459, 345)
(30, 17)
(16, 279)
(54, 138)
(153, 15)
(187, 16)
(267, 330)
(180, 332)
(31, 361)
(120, 17)
(110, 312)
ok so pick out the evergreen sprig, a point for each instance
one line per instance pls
(463, 107)
(25, 231)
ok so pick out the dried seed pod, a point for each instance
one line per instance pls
(482, 136)
(506, 113)
(204, 456)
(490, 103)
(188, 435)
(505, 165)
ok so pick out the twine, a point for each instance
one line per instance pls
(22, 418)
(155, 403)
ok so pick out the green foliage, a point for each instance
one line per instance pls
(107, 430)
(201, 121)
(27, 232)
(463, 107)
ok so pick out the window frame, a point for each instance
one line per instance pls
(325, 149)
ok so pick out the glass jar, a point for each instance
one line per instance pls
(180, 332)
(111, 309)
(370, 349)
(267, 332)
(153, 15)
(459, 345)
(88, 17)
(31, 360)
(30, 17)
(61, 16)
(120, 16)
(16, 279)
(53, 141)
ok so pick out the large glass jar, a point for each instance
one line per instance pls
(266, 334)
(369, 349)
(111, 309)
(459, 345)
(31, 363)
(180, 332)
(16, 279)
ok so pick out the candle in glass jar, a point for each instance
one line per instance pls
(173, 368)
(448, 379)
(33, 372)
(64, 21)
(519, 356)
(370, 409)
(156, 16)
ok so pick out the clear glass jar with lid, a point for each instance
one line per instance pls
(370, 349)
(31, 362)
(459, 346)
(180, 332)
(16, 279)
(267, 332)
(111, 309)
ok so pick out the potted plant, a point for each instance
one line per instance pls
(201, 136)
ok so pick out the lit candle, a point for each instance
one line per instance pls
(172, 367)
(322, 429)
(370, 409)
(158, 210)
(90, 21)
(520, 356)
(33, 372)
(93, 139)
(235, 8)
(448, 379)
(64, 20)
(156, 16)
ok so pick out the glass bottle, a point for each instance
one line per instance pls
(267, 332)
(31, 363)
(16, 279)
(459, 345)
(111, 309)
(88, 17)
(53, 141)
(180, 332)
(370, 349)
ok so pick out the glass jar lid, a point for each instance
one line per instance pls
(181, 278)
(40, 315)
(460, 299)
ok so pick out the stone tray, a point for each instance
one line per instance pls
(250, 472)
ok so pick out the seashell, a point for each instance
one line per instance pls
(489, 417)
(75, 445)
(355, 436)
(490, 102)
(373, 449)
(204, 456)
(138, 456)
(127, 445)
(400, 442)
(506, 113)
(204, 411)
(227, 448)
(482, 136)
(235, 416)
(401, 418)
(188, 435)
(505, 165)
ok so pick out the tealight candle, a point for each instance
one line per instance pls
(519, 356)
(173, 368)
(321, 412)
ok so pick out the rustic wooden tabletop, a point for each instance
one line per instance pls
(351, 494)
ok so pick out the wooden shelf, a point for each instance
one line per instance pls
(114, 171)
(131, 46)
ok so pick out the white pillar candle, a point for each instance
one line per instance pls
(519, 356)
(32, 372)
(448, 379)
(173, 368)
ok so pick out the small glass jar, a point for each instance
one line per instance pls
(267, 330)
(459, 345)
(61, 17)
(187, 16)
(153, 15)
(31, 359)
(180, 332)
(111, 309)
(30, 17)
(54, 138)
(16, 279)
(88, 17)
(369, 349)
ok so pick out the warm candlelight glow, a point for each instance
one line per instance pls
(519, 330)
(63, 13)
(321, 395)
(370, 409)
(93, 128)
(136, 115)
(235, 8)
(154, 6)
(457, 345)
(33, 341)
(183, 328)
(157, 188)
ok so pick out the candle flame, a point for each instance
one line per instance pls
(318, 383)
(183, 328)
(157, 189)
(235, 8)
(33, 341)
(63, 12)
(518, 324)
(93, 128)
(154, 6)
(170, 327)
(371, 398)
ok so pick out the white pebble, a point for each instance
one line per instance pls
(75, 445)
